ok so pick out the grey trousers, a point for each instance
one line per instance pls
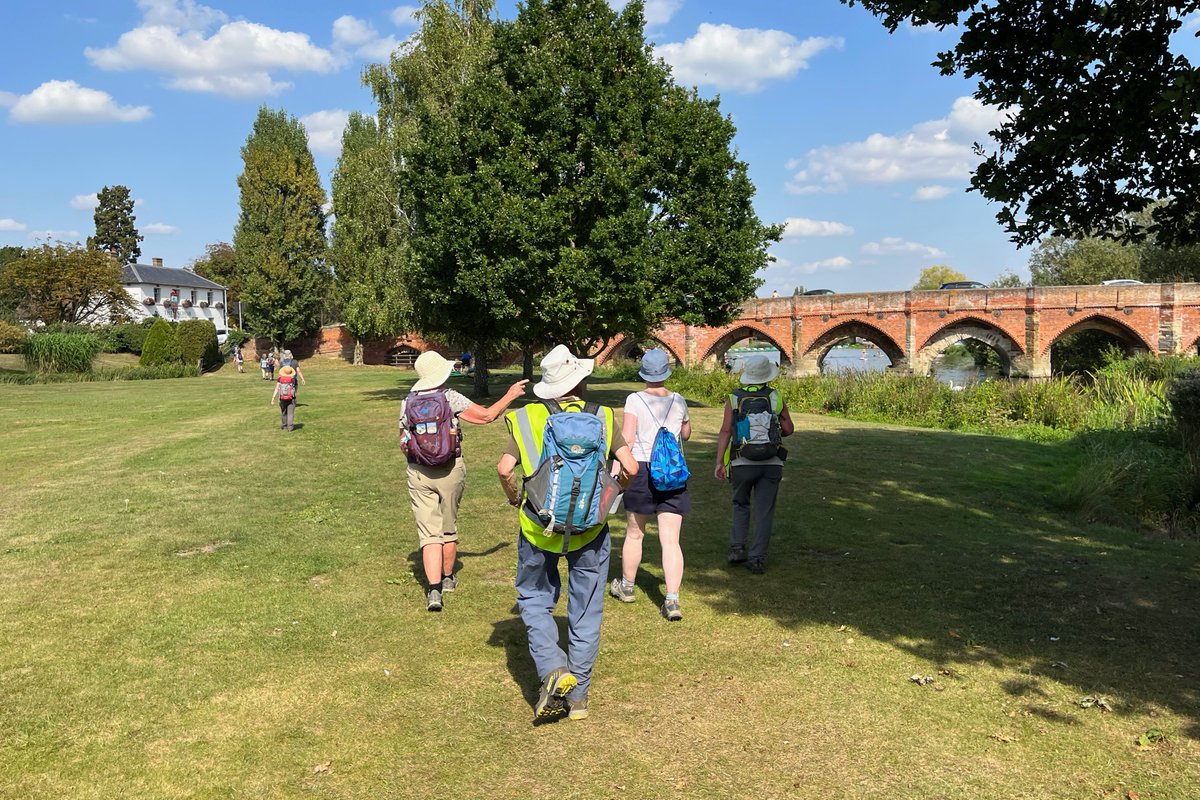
(755, 488)
(287, 411)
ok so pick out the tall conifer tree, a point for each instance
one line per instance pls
(280, 235)
(115, 229)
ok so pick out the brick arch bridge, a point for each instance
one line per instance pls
(913, 328)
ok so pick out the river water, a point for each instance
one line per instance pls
(956, 372)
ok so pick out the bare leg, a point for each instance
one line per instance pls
(449, 556)
(672, 554)
(431, 557)
(631, 551)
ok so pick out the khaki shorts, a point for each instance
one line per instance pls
(435, 495)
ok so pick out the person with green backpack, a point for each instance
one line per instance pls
(655, 423)
(563, 497)
(750, 455)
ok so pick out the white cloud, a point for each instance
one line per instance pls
(53, 235)
(9, 224)
(237, 60)
(797, 227)
(7, 99)
(85, 202)
(934, 192)
(67, 101)
(325, 130)
(657, 12)
(351, 34)
(404, 16)
(894, 245)
(741, 59)
(160, 228)
(936, 150)
(835, 263)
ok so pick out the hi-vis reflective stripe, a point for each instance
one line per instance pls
(531, 446)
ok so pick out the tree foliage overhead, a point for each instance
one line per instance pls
(1102, 112)
(64, 283)
(561, 187)
(369, 245)
(280, 235)
(933, 277)
(115, 229)
(219, 263)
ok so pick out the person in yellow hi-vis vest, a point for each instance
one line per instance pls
(533, 445)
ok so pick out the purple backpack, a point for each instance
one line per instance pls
(433, 438)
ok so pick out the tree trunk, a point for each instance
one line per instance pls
(481, 368)
(358, 352)
(527, 362)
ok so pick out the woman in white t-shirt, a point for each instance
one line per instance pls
(646, 412)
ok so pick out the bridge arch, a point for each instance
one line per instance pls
(1129, 338)
(715, 353)
(814, 355)
(622, 346)
(962, 329)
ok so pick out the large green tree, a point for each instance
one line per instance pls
(219, 263)
(1057, 261)
(934, 276)
(369, 245)
(1103, 111)
(116, 232)
(280, 235)
(57, 283)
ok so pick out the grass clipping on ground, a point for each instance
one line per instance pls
(197, 604)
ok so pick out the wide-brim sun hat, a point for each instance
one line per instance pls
(561, 372)
(287, 371)
(656, 366)
(758, 370)
(432, 370)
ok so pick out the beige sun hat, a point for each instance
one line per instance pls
(287, 371)
(757, 370)
(561, 372)
(432, 370)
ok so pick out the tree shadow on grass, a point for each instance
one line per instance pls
(950, 548)
(417, 566)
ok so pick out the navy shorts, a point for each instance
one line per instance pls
(641, 498)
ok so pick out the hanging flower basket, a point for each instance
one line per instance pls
(187, 303)
(219, 306)
(204, 304)
(148, 301)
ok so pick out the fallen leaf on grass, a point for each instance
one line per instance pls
(954, 633)
(321, 769)
(1132, 795)
(1096, 702)
(1003, 737)
(921, 680)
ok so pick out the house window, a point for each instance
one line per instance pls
(193, 297)
(157, 296)
(210, 297)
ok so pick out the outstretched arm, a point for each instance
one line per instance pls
(479, 415)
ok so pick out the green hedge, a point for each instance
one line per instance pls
(12, 337)
(161, 345)
(198, 343)
(104, 374)
(60, 352)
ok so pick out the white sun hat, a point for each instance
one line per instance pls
(432, 370)
(758, 370)
(561, 372)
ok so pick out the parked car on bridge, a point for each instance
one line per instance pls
(1121, 282)
(963, 285)
(815, 292)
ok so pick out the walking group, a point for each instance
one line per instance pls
(565, 469)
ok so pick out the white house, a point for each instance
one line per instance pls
(175, 295)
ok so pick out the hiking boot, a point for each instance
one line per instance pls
(617, 590)
(671, 610)
(551, 700)
(577, 708)
(433, 600)
(737, 555)
(757, 566)
(449, 583)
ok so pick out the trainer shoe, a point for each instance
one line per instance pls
(433, 600)
(757, 566)
(578, 708)
(618, 590)
(737, 555)
(449, 583)
(671, 610)
(551, 700)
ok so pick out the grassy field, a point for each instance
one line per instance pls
(196, 604)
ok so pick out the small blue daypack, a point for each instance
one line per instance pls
(571, 489)
(668, 468)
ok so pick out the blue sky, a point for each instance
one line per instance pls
(852, 138)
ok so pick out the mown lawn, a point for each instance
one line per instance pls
(196, 604)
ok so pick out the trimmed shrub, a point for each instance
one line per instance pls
(12, 337)
(198, 342)
(236, 337)
(60, 352)
(132, 336)
(161, 345)
(103, 374)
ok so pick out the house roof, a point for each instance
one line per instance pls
(168, 276)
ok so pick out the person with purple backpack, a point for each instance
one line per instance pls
(431, 437)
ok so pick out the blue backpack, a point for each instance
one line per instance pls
(668, 469)
(571, 489)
